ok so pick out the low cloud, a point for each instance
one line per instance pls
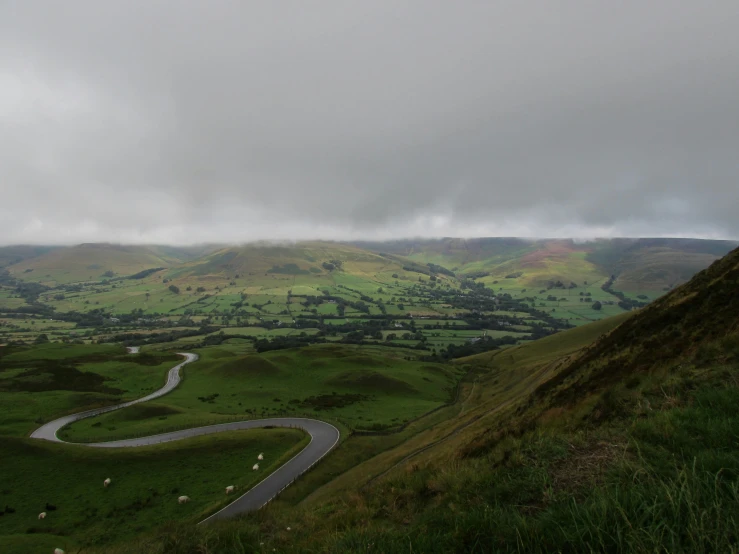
(185, 122)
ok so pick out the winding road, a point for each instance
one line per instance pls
(324, 437)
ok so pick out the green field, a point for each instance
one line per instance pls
(620, 424)
(146, 483)
(268, 291)
(42, 382)
(362, 387)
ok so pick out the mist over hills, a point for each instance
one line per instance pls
(637, 264)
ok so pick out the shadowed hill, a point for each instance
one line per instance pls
(678, 327)
(10, 255)
(89, 262)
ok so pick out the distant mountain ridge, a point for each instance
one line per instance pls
(638, 264)
(644, 264)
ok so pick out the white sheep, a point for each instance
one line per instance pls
(260, 457)
(106, 482)
(255, 467)
(229, 489)
(42, 515)
(58, 551)
(183, 499)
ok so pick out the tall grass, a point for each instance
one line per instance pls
(668, 482)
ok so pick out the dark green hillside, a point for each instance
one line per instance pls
(693, 323)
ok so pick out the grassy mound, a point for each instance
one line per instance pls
(146, 411)
(327, 351)
(372, 381)
(50, 375)
(247, 365)
(366, 361)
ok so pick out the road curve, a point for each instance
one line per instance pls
(324, 437)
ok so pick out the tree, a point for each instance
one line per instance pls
(175, 289)
(597, 305)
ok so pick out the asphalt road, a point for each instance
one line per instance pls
(324, 437)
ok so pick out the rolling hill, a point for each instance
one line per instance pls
(10, 255)
(306, 258)
(648, 266)
(563, 280)
(88, 262)
(639, 264)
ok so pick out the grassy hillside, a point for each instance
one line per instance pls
(626, 444)
(304, 258)
(362, 387)
(45, 381)
(88, 262)
(640, 264)
(14, 254)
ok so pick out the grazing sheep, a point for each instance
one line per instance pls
(106, 482)
(255, 467)
(183, 499)
(58, 551)
(50, 507)
(42, 515)
(288, 528)
(229, 489)
(260, 457)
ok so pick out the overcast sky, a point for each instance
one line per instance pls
(189, 121)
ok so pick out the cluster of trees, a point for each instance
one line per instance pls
(476, 274)
(435, 268)
(134, 339)
(560, 285)
(485, 344)
(141, 274)
(624, 303)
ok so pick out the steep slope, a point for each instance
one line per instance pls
(650, 264)
(678, 327)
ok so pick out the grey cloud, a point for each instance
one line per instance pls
(189, 121)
